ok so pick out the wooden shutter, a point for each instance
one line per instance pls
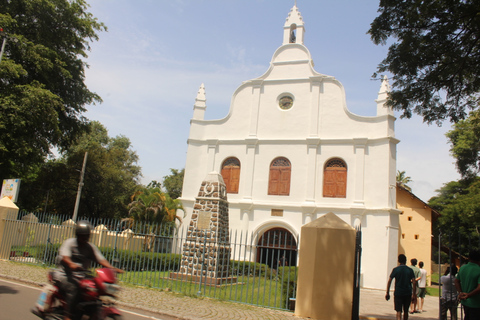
(329, 183)
(231, 174)
(279, 180)
(341, 185)
(335, 179)
(274, 181)
(284, 186)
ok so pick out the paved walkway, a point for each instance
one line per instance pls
(372, 302)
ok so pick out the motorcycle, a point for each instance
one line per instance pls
(98, 294)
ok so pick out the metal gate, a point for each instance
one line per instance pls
(356, 277)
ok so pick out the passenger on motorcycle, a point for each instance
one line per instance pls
(77, 254)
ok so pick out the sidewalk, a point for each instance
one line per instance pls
(372, 302)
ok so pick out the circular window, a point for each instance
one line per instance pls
(285, 102)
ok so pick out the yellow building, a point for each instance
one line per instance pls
(415, 223)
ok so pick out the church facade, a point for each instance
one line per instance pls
(290, 151)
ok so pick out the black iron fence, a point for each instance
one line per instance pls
(260, 270)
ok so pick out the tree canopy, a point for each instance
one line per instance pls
(465, 141)
(42, 73)
(434, 57)
(459, 205)
(152, 206)
(111, 176)
(173, 183)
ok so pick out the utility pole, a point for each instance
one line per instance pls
(80, 185)
(3, 43)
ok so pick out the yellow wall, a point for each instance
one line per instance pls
(415, 234)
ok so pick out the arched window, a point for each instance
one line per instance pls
(231, 174)
(277, 248)
(293, 37)
(335, 179)
(279, 180)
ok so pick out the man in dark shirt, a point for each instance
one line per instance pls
(405, 287)
(77, 254)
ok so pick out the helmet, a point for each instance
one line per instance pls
(83, 228)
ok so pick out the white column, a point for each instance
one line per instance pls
(359, 148)
(316, 87)
(251, 145)
(256, 90)
(212, 150)
(311, 178)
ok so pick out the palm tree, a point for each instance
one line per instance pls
(403, 179)
(171, 208)
(147, 205)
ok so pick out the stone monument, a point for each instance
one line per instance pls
(206, 251)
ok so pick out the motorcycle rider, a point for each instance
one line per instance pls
(77, 254)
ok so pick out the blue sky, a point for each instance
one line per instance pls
(150, 63)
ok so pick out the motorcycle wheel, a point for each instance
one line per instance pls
(115, 317)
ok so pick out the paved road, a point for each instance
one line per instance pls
(16, 299)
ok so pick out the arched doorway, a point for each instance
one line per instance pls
(277, 247)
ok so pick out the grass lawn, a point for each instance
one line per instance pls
(264, 290)
(433, 290)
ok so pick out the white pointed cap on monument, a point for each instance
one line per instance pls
(214, 176)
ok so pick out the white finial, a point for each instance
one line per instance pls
(200, 104)
(382, 98)
(201, 93)
(385, 86)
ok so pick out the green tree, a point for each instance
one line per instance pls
(403, 179)
(42, 74)
(147, 206)
(465, 145)
(172, 207)
(150, 205)
(458, 203)
(111, 176)
(173, 183)
(434, 56)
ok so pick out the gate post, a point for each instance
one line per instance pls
(326, 269)
(9, 210)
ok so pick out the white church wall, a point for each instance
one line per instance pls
(377, 248)
(318, 127)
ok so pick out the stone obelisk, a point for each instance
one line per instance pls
(206, 251)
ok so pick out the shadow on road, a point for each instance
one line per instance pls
(8, 290)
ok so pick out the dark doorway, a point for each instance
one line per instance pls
(277, 248)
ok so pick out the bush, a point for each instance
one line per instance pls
(246, 268)
(47, 253)
(127, 260)
(142, 261)
(288, 276)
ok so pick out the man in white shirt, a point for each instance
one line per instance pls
(422, 284)
(449, 300)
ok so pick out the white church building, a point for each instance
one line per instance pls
(290, 151)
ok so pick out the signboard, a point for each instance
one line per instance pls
(203, 222)
(10, 188)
